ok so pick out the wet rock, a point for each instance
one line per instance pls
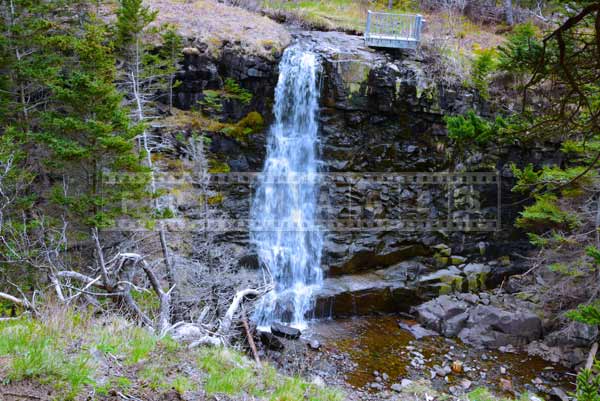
(284, 331)
(417, 330)
(442, 371)
(270, 341)
(314, 344)
(376, 386)
(384, 290)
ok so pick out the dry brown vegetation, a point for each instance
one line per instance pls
(217, 24)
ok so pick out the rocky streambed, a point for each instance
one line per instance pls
(378, 356)
(384, 357)
(452, 345)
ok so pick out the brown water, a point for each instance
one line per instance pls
(377, 343)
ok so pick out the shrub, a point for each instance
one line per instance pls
(211, 102)
(483, 65)
(545, 214)
(521, 51)
(234, 91)
(471, 128)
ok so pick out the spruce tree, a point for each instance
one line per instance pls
(90, 135)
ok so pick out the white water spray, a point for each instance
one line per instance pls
(284, 209)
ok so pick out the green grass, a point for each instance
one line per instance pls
(131, 343)
(483, 394)
(36, 351)
(347, 15)
(58, 349)
(231, 373)
(181, 384)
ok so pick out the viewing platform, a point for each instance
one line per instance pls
(398, 31)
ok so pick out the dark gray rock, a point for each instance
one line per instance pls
(436, 313)
(481, 325)
(284, 331)
(417, 330)
(270, 341)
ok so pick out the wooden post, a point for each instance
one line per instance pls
(368, 29)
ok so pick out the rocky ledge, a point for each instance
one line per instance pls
(404, 285)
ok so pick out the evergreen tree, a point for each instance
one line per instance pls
(90, 134)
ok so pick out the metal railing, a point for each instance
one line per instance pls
(401, 31)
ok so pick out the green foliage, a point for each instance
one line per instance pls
(552, 177)
(153, 376)
(234, 91)
(483, 65)
(230, 373)
(36, 352)
(251, 123)
(169, 53)
(522, 50)
(588, 385)
(546, 214)
(217, 166)
(88, 133)
(483, 394)
(593, 253)
(211, 102)
(141, 343)
(182, 384)
(472, 129)
(132, 18)
(566, 270)
(588, 314)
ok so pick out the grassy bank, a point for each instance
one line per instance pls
(70, 355)
(344, 15)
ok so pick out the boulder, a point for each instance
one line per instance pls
(417, 330)
(481, 325)
(284, 331)
(436, 313)
(270, 341)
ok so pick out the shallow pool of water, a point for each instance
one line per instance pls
(377, 343)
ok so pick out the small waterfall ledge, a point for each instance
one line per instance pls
(284, 228)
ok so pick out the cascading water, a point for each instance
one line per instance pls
(284, 209)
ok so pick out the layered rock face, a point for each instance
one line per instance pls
(382, 135)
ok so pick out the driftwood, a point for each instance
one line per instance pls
(249, 336)
(23, 302)
(591, 356)
(225, 325)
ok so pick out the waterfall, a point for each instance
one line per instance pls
(284, 208)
